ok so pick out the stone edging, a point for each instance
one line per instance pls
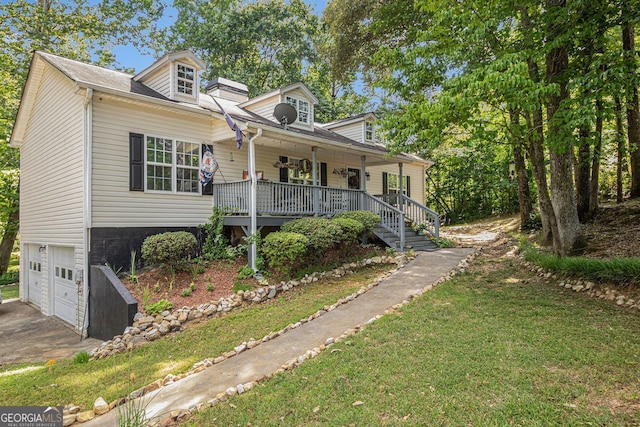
(150, 328)
(606, 293)
(182, 414)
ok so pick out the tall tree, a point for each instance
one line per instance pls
(633, 108)
(76, 29)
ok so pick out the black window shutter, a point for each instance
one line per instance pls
(284, 172)
(207, 190)
(385, 183)
(323, 174)
(408, 186)
(136, 162)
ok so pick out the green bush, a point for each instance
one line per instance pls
(216, 244)
(9, 277)
(323, 234)
(367, 218)
(172, 249)
(284, 250)
(158, 307)
(351, 229)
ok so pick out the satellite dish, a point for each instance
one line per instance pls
(285, 114)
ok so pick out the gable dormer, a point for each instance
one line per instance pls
(360, 128)
(175, 75)
(297, 95)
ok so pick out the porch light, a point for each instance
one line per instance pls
(231, 156)
(42, 248)
(368, 175)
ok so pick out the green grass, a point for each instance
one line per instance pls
(69, 382)
(10, 291)
(615, 270)
(492, 347)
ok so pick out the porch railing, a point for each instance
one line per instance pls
(420, 216)
(275, 198)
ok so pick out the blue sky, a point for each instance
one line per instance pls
(128, 56)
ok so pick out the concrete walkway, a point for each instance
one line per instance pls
(263, 360)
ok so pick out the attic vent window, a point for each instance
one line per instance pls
(302, 107)
(186, 79)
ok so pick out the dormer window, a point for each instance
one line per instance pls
(186, 79)
(368, 131)
(302, 107)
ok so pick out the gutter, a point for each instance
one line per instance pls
(86, 208)
(314, 140)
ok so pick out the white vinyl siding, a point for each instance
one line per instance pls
(52, 180)
(160, 81)
(265, 107)
(113, 205)
(352, 131)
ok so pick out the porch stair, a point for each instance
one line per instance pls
(411, 240)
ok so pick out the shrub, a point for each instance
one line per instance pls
(9, 277)
(322, 233)
(216, 244)
(158, 307)
(284, 250)
(171, 249)
(351, 229)
(367, 218)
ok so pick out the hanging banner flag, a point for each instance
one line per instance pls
(234, 127)
(208, 167)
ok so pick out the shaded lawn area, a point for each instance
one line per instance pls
(492, 347)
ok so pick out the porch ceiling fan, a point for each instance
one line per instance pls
(285, 114)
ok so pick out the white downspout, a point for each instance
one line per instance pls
(86, 228)
(253, 214)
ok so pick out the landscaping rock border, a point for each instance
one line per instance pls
(149, 328)
(593, 290)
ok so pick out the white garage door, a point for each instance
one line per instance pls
(34, 275)
(65, 290)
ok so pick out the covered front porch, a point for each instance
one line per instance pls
(278, 202)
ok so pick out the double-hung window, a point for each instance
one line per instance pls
(172, 165)
(393, 184)
(368, 132)
(185, 79)
(302, 107)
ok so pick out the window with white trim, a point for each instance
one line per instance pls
(172, 165)
(296, 176)
(393, 184)
(302, 107)
(185, 79)
(368, 131)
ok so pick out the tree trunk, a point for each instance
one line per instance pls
(595, 165)
(583, 172)
(535, 149)
(524, 194)
(8, 238)
(562, 190)
(633, 110)
(621, 151)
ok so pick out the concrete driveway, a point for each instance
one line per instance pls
(26, 335)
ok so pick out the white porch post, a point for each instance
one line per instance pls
(401, 206)
(253, 214)
(314, 180)
(363, 173)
